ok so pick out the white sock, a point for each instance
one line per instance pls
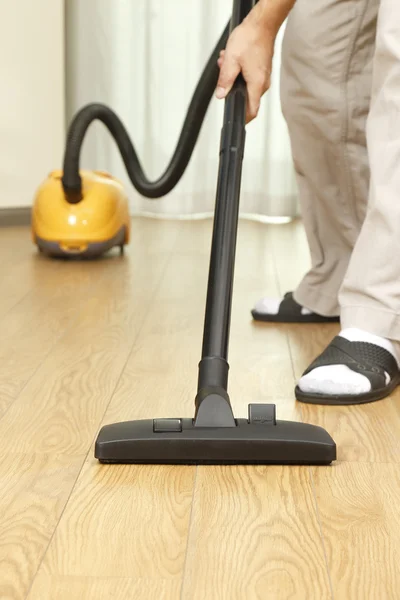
(339, 379)
(270, 306)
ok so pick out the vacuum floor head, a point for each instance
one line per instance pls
(258, 440)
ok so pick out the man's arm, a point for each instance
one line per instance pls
(271, 13)
(250, 50)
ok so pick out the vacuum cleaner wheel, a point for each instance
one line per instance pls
(90, 250)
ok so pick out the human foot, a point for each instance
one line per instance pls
(356, 367)
(286, 310)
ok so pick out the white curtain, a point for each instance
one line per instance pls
(143, 58)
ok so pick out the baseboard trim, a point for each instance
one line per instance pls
(17, 217)
(14, 217)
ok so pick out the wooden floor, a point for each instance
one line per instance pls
(84, 344)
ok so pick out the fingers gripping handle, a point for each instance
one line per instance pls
(236, 100)
(233, 134)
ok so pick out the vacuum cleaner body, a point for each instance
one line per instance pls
(99, 221)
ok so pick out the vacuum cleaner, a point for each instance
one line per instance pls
(84, 226)
(213, 435)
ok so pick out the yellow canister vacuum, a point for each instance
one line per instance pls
(85, 224)
(85, 213)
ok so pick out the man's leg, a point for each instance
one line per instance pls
(370, 295)
(326, 82)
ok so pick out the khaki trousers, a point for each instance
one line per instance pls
(340, 92)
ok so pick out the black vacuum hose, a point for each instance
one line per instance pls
(195, 116)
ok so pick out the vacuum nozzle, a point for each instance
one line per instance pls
(260, 439)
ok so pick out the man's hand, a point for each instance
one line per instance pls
(250, 51)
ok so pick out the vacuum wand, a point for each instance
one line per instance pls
(222, 263)
(214, 367)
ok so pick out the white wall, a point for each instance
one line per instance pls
(32, 94)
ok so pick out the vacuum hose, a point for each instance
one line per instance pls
(195, 116)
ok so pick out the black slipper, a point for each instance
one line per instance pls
(290, 312)
(368, 359)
